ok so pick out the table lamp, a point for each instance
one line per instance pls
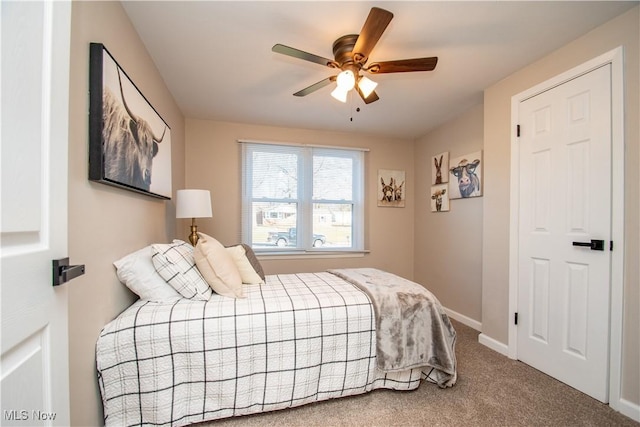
(193, 204)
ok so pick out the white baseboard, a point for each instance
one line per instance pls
(493, 344)
(474, 324)
(482, 338)
(626, 408)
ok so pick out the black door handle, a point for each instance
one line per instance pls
(63, 272)
(595, 245)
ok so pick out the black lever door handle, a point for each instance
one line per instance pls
(63, 272)
(595, 245)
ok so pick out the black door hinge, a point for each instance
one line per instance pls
(611, 245)
(518, 131)
(515, 318)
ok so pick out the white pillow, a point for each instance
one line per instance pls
(137, 272)
(174, 262)
(247, 273)
(217, 267)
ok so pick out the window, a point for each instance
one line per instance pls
(302, 198)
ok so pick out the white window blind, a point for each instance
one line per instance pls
(302, 198)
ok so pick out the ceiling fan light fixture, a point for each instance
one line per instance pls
(367, 86)
(346, 80)
(340, 94)
(351, 53)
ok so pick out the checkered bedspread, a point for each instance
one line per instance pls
(297, 339)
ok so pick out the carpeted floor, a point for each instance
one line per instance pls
(492, 390)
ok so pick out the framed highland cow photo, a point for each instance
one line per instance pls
(129, 143)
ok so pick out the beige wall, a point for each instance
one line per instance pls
(106, 223)
(448, 245)
(621, 31)
(213, 163)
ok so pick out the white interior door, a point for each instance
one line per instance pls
(34, 144)
(565, 197)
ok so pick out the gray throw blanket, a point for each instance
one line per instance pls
(412, 329)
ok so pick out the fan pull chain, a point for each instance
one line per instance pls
(351, 107)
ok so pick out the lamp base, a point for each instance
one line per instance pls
(193, 237)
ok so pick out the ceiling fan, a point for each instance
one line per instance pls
(351, 53)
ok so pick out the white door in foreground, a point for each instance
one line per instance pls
(35, 120)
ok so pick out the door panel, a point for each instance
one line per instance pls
(539, 300)
(578, 201)
(541, 190)
(27, 363)
(565, 196)
(576, 309)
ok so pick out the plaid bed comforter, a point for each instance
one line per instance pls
(297, 339)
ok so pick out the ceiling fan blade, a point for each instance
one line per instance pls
(403, 65)
(297, 53)
(372, 30)
(314, 87)
(373, 96)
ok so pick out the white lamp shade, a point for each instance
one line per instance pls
(346, 80)
(366, 86)
(340, 94)
(193, 204)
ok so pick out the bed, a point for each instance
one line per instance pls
(293, 339)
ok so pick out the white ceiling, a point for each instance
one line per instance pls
(216, 58)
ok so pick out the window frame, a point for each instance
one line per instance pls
(304, 196)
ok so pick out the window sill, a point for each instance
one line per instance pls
(310, 254)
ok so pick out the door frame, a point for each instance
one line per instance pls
(615, 58)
